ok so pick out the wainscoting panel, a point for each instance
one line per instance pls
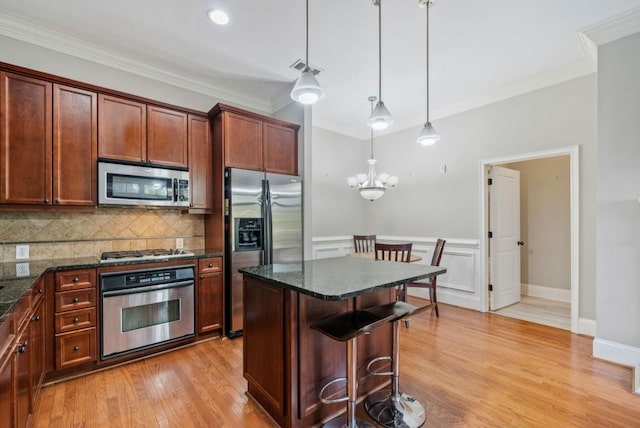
(460, 286)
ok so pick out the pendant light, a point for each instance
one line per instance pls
(380, 117)
(371, 185)
(307, 90)
(429, 135)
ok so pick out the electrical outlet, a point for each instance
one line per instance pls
(22, 269)
(22, 252)
(179, 243)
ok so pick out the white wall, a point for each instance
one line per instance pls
(430, 204)
(618, 210)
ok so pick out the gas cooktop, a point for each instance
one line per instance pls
(155, 254)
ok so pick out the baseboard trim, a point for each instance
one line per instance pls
(586, 327)
(635, 387)
(557, 294)
(616, 352)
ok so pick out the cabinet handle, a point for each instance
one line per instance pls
(36, 318)
(76, 279)
(22, 348)
(76, 320)
(76, 299)
(76, 348)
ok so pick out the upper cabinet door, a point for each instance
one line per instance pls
(123, 129)
(167, 137)
(200, 163)
(25, 140)
(242, 141)
(280, 149)
(75, 146)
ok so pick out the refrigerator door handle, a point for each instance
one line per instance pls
(267, 226)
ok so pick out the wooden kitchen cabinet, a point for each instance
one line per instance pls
(167, 137)
(25, 140)
(123, 129)
(75, 146)
(49, 143)
(256, 142)
(74, 318)
(133, 131)
(7, 347)
(200, 164)
(210, 295)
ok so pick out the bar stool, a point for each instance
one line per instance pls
(393, 408)
(346, 327)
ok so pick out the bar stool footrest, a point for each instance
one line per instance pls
(332, 400)
(402, 411)
(342, 422)
(378, 373)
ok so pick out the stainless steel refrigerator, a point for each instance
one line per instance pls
(263, 225)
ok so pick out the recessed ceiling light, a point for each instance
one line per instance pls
(218, 16)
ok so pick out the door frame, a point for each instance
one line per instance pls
(574, 183)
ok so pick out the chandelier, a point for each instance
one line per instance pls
(372, 185)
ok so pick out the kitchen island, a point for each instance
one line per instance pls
(286, 363)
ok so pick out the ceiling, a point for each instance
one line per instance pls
(479, 51)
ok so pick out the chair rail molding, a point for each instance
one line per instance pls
(460, 286)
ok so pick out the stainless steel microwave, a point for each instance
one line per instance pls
(120, 184)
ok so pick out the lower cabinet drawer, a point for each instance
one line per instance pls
(76, 299)
(75, 320)
(75, 348)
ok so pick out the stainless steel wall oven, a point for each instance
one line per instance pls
(145, 307)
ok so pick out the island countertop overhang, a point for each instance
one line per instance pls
(340, 278)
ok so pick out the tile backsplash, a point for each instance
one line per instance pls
(53, 235)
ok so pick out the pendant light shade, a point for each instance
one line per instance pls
(380, 117)
(307, 90)
(429, 135)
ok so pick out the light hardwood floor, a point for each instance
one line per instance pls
(470, 369)
(541, 311)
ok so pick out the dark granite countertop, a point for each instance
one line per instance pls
(340, 278)
(13, 286)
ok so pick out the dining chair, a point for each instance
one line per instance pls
(364, 243)
(430, 283)
(393, 252)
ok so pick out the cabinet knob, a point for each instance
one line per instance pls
(210, 264)
(76, 348)
(22, 348)
(76, 320)
(76, 279)
(201, 276)
(36, 318)
(40, 291)
(76, 299)
(46, 201)
(57, 201)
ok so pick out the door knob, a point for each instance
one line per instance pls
(520, 242)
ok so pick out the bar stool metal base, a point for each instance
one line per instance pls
(402, 412)
(342, 422)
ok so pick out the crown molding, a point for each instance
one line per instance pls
(614, 28)
(21, 29)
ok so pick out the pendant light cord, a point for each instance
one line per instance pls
(428, 4)
(306, 26)
(379, 50)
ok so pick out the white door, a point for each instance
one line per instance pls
(504, 224)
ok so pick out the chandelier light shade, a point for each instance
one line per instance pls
(307, 90)
(372, 185)
(380, 117)
(429, 135)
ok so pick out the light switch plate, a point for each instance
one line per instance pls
(22, 252)
(179, 243)
(22, 269)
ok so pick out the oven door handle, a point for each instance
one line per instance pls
(137, 290)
